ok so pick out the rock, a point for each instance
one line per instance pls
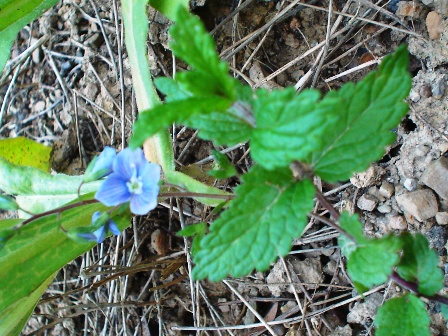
(368, 177)
(442, 218)
(434, 25)
(367, 202)
(438, 88)
(397, 223)
(387, 189)
(384, 208)
(422, 204)
(342, 331)
(362, 312)
(410, 184)
(409, 9)
(435, 176)
(308, 270)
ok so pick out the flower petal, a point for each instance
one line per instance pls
(101, 165)
(96, 215)
(149, 172)
(114, 228)
(97, 235)
(127, 161)
(113, 191)
(142, 203)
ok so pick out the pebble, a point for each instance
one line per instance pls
(384, 208)
(438, 88)
(434, 25)
(410, 184)
(408, 8)
(368, 177)
(442, 218)
(421, 204)
(435, 176)
(387, 189)
(397, 223)
(367, 202)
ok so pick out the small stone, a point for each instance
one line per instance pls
(414, 96)
(435, 176)
(422, 204)
(438, 88)
(367, 202)
(397, 223)
(434, 25)
(367, 178)
(364, 311)
(425, 91)
(387, 189)
(223, 308)
(410, 184)
(442, 218)
(384, 208)
(375, 192)
(39, 106)
(408, 8)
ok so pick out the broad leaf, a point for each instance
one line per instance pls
(195, 46)
(403, 316)
(37, 191)
(420, 264)
(269, 211)
(162, 116)
(25, 152)
(373, 261)
(367, 112)
(14, 14)
(288, 126)
(169, 8)
(41, 248)
(226, 169)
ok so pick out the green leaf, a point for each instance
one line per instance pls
(351, 225)
(41, 248)
(25, 152)
(195, 46)
(198, 232)
(171, 89)
(367, 112)
(14, 15)
(162, 116)
(8, 203)
(373, 260)
(169, 8)
(403, 316)
(420, 264)
(269, 211)
(226, 168)
(288, 126)
(37, 191)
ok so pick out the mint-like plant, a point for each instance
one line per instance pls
(293, 138)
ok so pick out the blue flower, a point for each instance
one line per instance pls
(107, 224)
(133, 180)
(101, 165)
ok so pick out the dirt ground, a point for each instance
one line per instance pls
(74, 93)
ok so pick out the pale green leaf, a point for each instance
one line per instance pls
(37, 191)
(41, 248)
(288, 126)
(269, 211)
(367, 112)
(14, 15)
(420, 264)
(25, 152)
(403, 316)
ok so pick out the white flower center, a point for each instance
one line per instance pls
(135, 185)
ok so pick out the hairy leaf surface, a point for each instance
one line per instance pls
(367, 112)
(269, 211)
(403, 316)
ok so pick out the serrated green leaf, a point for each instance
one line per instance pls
(288, 126)
(162, 116)
(169, 8)
(195, 46)
(37, 191)
(171, 89)
(351, 225)
(25, 152)
(420, 264)
(269, 211)
(226, 169)
(367, 112)
(373, 261)
(402, 316)
(14, 15)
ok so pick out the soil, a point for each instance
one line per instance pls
(74, 93)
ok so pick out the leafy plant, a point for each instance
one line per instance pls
(293, 137)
